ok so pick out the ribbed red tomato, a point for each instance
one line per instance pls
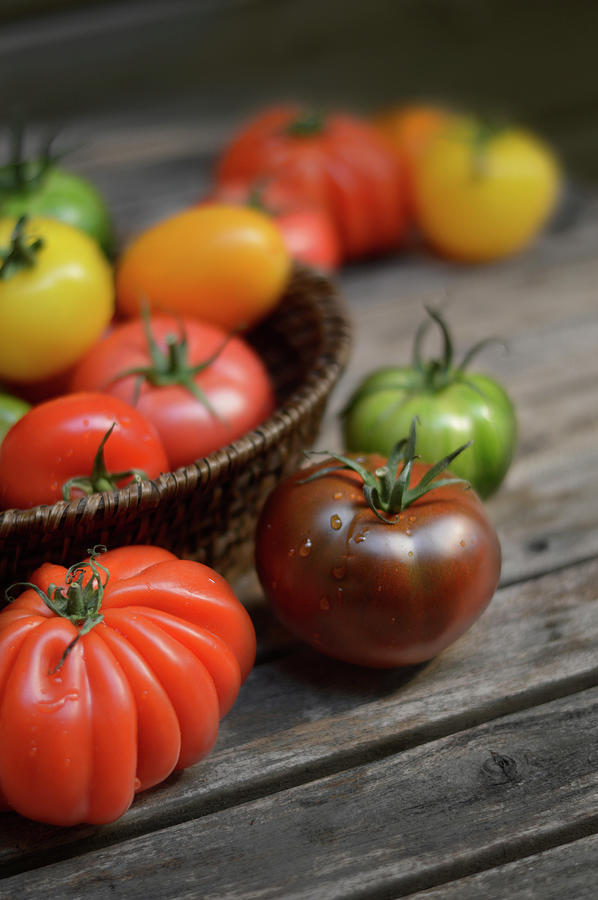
(117, 677)
(338, 159)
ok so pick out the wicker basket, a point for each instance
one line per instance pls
(207, 511)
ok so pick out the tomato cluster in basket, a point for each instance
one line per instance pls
(118, 371)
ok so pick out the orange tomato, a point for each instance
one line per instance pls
(408, 129)
(223, 264)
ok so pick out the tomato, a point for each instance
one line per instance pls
(223, 264)
(56, 297)
(453, 406)
(371, 573)
(338, 160)
(113, 674)
(201, 388)
(11, 410)
(307, 228)
(482, 194)
(39, 187)
(408, 130)
(55, 450)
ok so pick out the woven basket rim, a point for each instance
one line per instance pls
(147, 495)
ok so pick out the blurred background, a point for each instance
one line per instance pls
(207, 63)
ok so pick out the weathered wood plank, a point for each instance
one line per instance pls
(435, 813)
(567, 871)
(302, 715)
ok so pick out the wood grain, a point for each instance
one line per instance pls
(303, 716)
(458, 805)
(567, 871)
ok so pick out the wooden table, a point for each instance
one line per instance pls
(475, 775)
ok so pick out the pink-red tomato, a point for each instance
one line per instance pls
(233, 393)
(90, 717)
(58, 440)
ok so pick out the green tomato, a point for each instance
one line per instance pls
(453, 408)
(11, 410)
(41, 188)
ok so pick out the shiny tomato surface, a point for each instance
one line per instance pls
(366, 591)
(58, 440)
(338, 160)
(236, 389)
(138, 695)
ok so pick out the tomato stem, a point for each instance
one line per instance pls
(306, 124)
(101, 479)
(21, 252)
(171, 365)
(76, 601)
(388, 490)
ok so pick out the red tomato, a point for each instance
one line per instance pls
(307, 228)
(115, 679)
(59, 440)
(379, 592)
(340, 161)
(195, 409)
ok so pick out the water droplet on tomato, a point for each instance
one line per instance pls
(408, 532)
(336, 522)
(462, 543)
(292, 551)
(305, 548)
(33, 751)
(339, 571)
(338, 495)
(324, 603)
(339, 595)
(136, 784)
(360, 537)
(379, 588)
(410, 553)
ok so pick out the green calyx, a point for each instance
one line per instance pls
(171, 366)
(430, 375)
(21, 253)
(100, 479)
(76, 601)
(388, 490)
(306, 124)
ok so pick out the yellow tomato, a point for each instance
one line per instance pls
(483, 194)
(56, 297)
(223, 264)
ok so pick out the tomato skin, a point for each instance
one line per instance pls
(236, 384)
(408, 130)
(62, 195)
(367, 592)
(475, 408)
(130, 703)
(52, 312)
(341, 162)
(58, 440)
(11, 410)
(223, 264)
(478, 201)
(308, 231)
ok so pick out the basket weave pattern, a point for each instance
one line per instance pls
(207, 511)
